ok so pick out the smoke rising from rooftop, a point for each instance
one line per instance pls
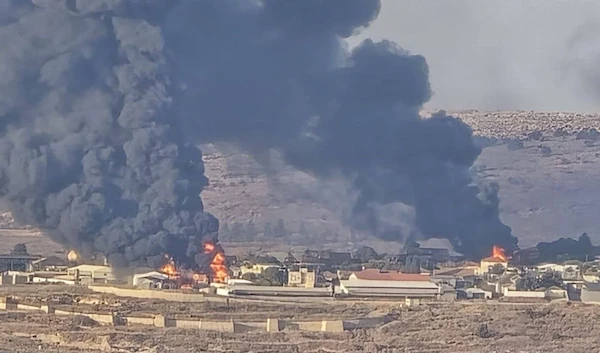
(99, 97)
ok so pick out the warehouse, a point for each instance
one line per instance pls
(17, 262)
(375, 283)
(91, 274)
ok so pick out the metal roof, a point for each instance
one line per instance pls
(19, 257)
(393, 292)
(374, 274)
(91, 268)
(360, 283)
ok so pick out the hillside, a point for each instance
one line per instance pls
(547, 179)
(545, 165)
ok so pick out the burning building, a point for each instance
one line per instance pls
(498, 258)
(212, 268)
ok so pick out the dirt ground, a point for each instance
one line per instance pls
(452, 328)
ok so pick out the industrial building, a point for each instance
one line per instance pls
(489, 262)
(302, 276)
(375, 283)
(88, 274)
(150, 280)
(16, 262)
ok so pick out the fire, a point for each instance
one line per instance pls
(169, 268)
(499, 253)
(218, 268)
(209, 247)
(218, 264)
(72, 256)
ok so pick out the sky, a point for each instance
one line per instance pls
(501, 54)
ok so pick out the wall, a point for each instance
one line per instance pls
(148, 321)
(556, 293)
(524, 294)
(220, 326)
(150, 294)
(305, 325)
(28, 307)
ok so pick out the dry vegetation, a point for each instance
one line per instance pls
(452, 328)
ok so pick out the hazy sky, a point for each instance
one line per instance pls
(501, 54)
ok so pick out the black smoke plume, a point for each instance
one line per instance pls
(89, 147)
(277, 74)
(99, 97)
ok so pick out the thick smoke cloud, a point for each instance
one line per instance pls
(278, 75)
(100, 95)
(89, 149)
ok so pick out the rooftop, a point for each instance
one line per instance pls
(493, 259)
(19, 257)
(377, 275)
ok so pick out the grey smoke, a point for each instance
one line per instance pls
(500, 54)
(89, 148)
(101, 100)
(278, 75)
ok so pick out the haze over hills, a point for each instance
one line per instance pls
(547, 181)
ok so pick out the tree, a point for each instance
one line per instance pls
(497, 269)
(550, 279)
(366, 254)
(546, 280)
(274, 275)
(527, 283)
(19, 249)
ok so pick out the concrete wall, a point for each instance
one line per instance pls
(187, 324)
(28, 307)
(305, 325)
(271, 325)
(150, 294)
(332, 326)
(105, 319)
(221, 326)
(524, 294)
(148, 321)
(556, 293)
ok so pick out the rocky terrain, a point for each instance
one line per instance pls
(465, 327)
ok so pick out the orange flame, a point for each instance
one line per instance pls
(220, 273)
(499, 253)
(169, 268)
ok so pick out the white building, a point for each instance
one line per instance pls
(92, 273)
(375, 283)
(149, 280)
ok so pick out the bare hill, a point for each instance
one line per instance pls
(547, 179)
